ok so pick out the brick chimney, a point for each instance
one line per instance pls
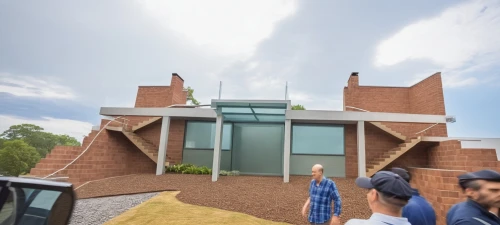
(353, 81)
(178, 94)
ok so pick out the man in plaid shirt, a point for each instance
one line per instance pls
(322, 192)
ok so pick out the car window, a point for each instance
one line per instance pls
(28, 206)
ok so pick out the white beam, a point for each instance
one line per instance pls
(286, 158)
(162, 149)
(313, 115)
(361, 149)
(172, 112)
(217, 147)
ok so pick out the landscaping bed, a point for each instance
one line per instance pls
(264, 197)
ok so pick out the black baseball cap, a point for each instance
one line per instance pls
(388, 183)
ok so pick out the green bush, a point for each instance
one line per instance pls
(192, 169)
(188, 169)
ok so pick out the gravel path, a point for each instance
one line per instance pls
(263, 197)
(99, 210)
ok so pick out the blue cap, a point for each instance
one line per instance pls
(388, 183)
(401, 172)
(490, 175)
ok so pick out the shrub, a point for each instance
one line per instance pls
(192, 169)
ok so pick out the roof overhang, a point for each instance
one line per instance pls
(350, 116)
(172, 112)
(302, 116)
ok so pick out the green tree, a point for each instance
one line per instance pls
(298, 107)
(67, 140)
(17, 157)
(191, 98)
(36, 137)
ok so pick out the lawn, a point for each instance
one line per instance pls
(166, 209)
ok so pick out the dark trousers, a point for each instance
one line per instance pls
(325, 223)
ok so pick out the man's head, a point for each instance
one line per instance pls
(482, 186)
(388, 192)
(402, 173)
(317, 172)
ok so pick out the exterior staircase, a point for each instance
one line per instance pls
(149, 149)
(389, 130)
(145, 123)
(378, 164)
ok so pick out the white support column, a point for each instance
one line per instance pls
(286, 155)
(162, 149)
(361, 149)
(217, 147)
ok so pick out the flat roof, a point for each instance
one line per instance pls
(252, 110)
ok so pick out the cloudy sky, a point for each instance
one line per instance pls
(61, 60)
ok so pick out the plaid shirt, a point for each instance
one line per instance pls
(321, 201)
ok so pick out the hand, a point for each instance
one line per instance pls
(304, 212)
(335, 220)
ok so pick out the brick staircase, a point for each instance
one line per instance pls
(389, 130)
(145, 146)
(58, 158)
(145, 123)
(378, 164)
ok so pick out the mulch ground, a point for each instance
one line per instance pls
(263, 197)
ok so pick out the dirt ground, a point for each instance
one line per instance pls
(264, 197)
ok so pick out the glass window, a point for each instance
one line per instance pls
(201, 135)
(317, 139)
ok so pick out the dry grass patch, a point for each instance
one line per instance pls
(166, 209)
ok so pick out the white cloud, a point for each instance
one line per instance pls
(27, 86)
(226, 26)
(73, 128)
(462, 39)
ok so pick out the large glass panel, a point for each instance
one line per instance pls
(317, 139)
(240, 118)
(269, 111)
(236, 110)
(201, 135)
(258, 148)
(271, 118)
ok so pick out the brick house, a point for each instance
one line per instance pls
(380, 127)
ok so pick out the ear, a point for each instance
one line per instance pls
(470, 192)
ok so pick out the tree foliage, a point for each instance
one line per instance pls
(190, 96)
(36, 137)
(298, 107)
(17, 157)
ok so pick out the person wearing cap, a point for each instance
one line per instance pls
(388, 194)
(418, 210)
(322, 192)
(482, 189)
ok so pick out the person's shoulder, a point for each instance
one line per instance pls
(356, 222)
(468, 221)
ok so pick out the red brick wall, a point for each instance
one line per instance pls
(178, 95)
(151, 133)
(425, 97)
(377, 142)
(176, 141)
(377, 99)
(450, 155)
(351, 150)
(153, 96)
(439, 187)
(111, 154)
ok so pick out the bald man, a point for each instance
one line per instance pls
(322, 191)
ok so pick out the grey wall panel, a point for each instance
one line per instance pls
(334, 166)
(205, 158)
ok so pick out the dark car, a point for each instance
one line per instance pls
(31, 201)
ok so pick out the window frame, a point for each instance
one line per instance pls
(316, 125)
